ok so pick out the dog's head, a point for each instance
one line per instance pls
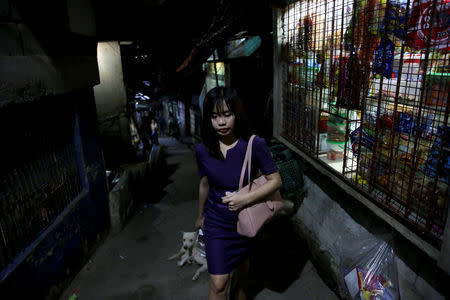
(189, 239)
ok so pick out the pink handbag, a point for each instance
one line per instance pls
(253, 217)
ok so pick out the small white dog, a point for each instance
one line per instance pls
(191, 251)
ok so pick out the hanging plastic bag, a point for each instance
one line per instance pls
(369, 271)
(353, 82)
(200, 243)
(304, 40)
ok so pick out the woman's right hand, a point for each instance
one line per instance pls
(199, 222)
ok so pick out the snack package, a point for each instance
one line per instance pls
(437, 89)
(438, 164)
(369, 269)
(395, 19)
(420, 24)
(367, 286)
(383, 58)
(361, 136)
(350, 32)
(405, 122)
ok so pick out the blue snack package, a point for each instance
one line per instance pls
(425, 125)
(394, 20)
(438, 164)
(404, 122)
(383, 58)
(360, 136)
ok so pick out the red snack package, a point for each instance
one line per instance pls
(426, 17)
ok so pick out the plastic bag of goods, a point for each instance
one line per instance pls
(372, 274)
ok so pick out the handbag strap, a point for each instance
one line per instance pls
(247, 162)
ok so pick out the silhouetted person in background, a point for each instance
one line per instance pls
(174, 129)
(162, 124)
(145, 131)
(154, 132)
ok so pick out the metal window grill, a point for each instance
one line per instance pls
(39, 175)
(366, 92)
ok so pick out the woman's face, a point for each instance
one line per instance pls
(222, 119)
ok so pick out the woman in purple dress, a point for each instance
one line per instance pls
(219, 158)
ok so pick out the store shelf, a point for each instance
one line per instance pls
(402, 115)
(335, 164)
(402, 106)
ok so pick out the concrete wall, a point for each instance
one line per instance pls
(123, 197)
(332, 232)
(45, 50)
(137, 184)
(111, 100)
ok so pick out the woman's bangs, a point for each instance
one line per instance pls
(219, 106)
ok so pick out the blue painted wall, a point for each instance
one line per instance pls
(58, 254)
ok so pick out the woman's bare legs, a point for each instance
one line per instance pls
(218, 287)
(242, 278)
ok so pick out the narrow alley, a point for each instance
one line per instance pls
(133, 264)
(102, 103)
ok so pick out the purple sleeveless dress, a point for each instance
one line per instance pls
(225, 248)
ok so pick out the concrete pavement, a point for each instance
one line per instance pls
(133, 264)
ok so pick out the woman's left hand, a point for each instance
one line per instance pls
(235, 201)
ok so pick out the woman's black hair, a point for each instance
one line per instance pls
(214, 98)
